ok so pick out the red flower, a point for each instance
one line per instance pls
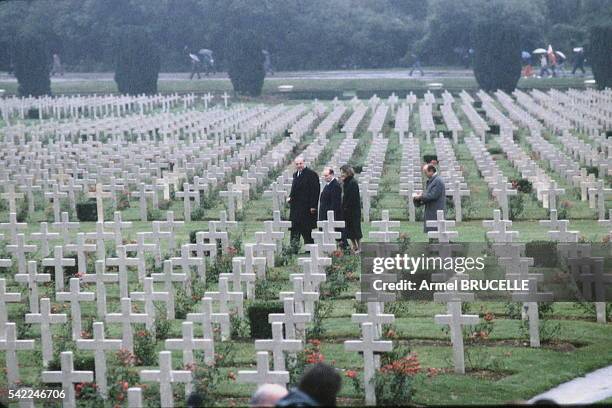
(231, 376)
(489, 316)
(351, 374)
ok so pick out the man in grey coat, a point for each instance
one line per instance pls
(434, 196)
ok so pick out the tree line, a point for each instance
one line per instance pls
(299, 34)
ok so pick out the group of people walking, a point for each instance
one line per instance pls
(308, 204)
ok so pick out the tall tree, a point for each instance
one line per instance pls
(245, 63)
(32, 65)
(137, 62)
(599, 52)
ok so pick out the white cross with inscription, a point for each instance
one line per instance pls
(100, 278)
(99, 195)
(5, 297)
(10, 196)
(13, 227)
(64, 227)
(206, 317)
(223, 296)
(295, 323)
(168, 277)
(148, 296)
(81, 249)
(442, 233)
(385, 234)
(117, 226)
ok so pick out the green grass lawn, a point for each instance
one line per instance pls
(300, 85)
(500, 369)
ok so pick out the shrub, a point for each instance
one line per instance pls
(522, 185)
(495, 150)
(87, 211)
(516, 205)
(544, 253)
(137, 62)
(245, 63)
(497, 62)
(32, 65)
(600, 55)
(394, 381)
(144, 347)
(257, 314)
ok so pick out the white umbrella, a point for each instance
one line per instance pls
(562, 55)
(194, 57)
(539, 51)
(578, 49)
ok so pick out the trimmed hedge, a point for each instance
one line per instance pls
(600, 55)
(257, 314)
(245, 63)
(497, 56)
(137, 62)
(87, 211)
(32, 66)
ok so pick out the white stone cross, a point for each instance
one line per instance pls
(385, 234)
(75, 296)
(81, 248)
(277, 194)
(99, 195)
(278, 345)
(601, 193)
(68, 376)
(5, 297)
(206, 317)
(531, 298)
(279, 224)
(32, 279)
(501, 192)
(376, 316)
(168, 277)
(223, 296)
(55, 196)
(454, 319)
(563, 235)
(499, 228)
(122, 261)
(117, 226)
(552, 192)
(304, 300)
(99, 344)
(100, 278)
(44, 236)
(10, 196)
(166, 376)
(295, 323)
(100, 236)
(231, 197)
(45, 318)
(263, 374)
(368, 346)
(126, 317)
(13, 227)
(64, 227)
(10, 344)
(442, 233)
(170, 225)
(19, 251)
(186, 261)
(148, 296)
(135, 397)
(141, 248)
(224, 224)
(187, 194)
(457, 191)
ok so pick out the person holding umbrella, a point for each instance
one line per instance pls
(552, 60)
(194, 60)
(543, 61)
(527, 68)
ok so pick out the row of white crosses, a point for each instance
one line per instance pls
(451, 173)
(372, 173)
(498, 184)
(378, 119)
(449, 116)
(352, 123)
(77, 106)
(494, 114)
(402, 122)
(426, 121)
(411, 174)
(478, 124)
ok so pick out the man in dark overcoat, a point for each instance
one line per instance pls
(303, 201)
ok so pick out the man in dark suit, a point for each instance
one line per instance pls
(331, 196)
(303, 202)
(434, 196)
(331, 199)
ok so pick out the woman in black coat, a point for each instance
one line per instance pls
(351, 206)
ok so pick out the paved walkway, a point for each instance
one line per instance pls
(430, 74)
(593, 387)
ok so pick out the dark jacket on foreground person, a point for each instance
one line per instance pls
(434, 199)
(351, 208)
(304, 195)
(331, 199)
